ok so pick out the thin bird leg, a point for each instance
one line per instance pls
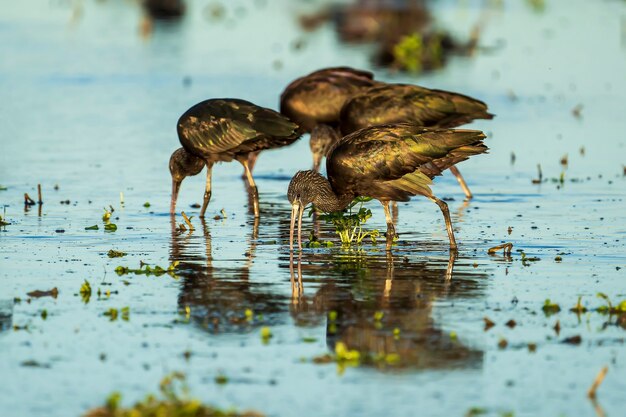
(300, 213)
(446, 215)
(394, 211)
(207, 188)
(252, 157)
(253, 189)
(455, 171)
(391, 230)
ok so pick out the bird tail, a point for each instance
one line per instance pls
(459, 146)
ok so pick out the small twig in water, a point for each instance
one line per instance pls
(28, 201)
(507, 247)
(538, 180)
(40, 200)
(596, 383)
(188, 221)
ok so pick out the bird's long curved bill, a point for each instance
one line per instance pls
(295, 208)
(175, 188)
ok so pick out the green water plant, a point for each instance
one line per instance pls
(349, 223)
(146, 269)
(174, 401)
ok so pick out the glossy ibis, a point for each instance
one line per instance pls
(394, 103)
(316, 100)
(220, 130)
(389, 162)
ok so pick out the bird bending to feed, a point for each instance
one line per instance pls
(316, 100)
(395, 103)
(389, 162)
(220, 130)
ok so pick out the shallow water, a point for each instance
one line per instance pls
(90, 105)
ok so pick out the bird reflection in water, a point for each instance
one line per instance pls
(221, 299)
(383, 308)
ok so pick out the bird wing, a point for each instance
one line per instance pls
(219, 125)
(397, 160)
(393, 103)
(318, 97)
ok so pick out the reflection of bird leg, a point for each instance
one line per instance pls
(207, 242)
(388, 280)
(450, 267)
(255, 231)
(460, 212)
(446, 215)
(297, 288)
(455, 171)
(391, 230)
(207, 188)
(253, 189)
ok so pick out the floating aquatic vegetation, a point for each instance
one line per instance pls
(115, 253)
(146, 204)
(349, 224)
(106, 216)
(85, 291)
(550, 308)
(609, 308)
(3, 222)
(174, 402)
(94, 227)
(114, 313)
(266, 335)
(3, 188)
(145, 269)
(110, 227)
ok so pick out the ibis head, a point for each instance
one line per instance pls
(182, 164)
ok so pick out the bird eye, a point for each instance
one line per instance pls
(298, 196)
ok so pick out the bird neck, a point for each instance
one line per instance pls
(328, 201)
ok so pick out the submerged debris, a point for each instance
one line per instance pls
(115, 253)
(596, 383)
(507, 248)
(38, 293)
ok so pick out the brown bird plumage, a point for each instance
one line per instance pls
(316, 100)
(393, 103)
(387, 162)
(220, 130)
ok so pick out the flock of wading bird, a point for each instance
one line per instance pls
(380, 140)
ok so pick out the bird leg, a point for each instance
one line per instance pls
(391, 230)
(252, 157)
(253, 188)
(207, 189)
(446, 215)
(455, 171)
(394, 211)
(175, 189)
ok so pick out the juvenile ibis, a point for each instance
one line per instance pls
(389, 162)
(316, 100)
(393, 103)
(220, 130)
